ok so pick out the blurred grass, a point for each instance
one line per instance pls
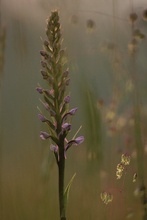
(28, 176)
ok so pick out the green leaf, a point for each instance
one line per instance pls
(51, 124)
(54, 139)
(63, 109)
(66, 192)
(77, 132)
(46, 98)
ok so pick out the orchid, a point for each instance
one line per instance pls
(56, 102)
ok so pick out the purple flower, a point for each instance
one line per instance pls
(73, 111)
(44, 74)
(44, 54)
(44, 135)
(50, 91)
(66, 127)
(43, 64)
(67, 99)
(54, 148)
(42, 118)
(79, 140)
(76, 142)
(40, 90)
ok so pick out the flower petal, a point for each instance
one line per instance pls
(42, 118)
(40, 90)
(76, 141)
(73, 111)
(54, 148)
(66, 127)
(67, 99)
(79, 139)
(44, 135)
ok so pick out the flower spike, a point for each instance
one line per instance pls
(56, 100)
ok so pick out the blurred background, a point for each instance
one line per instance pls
(106, 50)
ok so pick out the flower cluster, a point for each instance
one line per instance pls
(106, 197)
(125, 160)
(56, 101)
(119, 170)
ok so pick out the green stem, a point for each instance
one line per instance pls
(61, 168)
